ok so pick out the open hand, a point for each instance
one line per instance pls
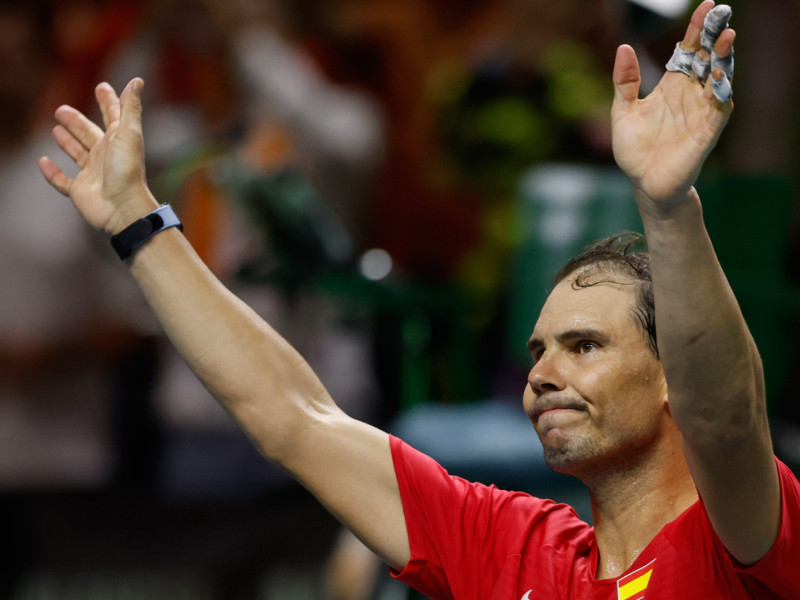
(661, 142)
(110, 191)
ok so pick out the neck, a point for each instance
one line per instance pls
(631, 505)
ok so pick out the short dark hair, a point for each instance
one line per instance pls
(626, 254)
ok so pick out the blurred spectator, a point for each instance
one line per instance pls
(83, 34)
(63, 326)
(238, 112)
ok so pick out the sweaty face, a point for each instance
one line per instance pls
(596, 393)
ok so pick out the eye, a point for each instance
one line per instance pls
(536, 356)
(585, 346)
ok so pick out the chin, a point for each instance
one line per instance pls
(560, 461)
(569, 455)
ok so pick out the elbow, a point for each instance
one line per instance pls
(727, 415)
(727, 421)
(280, 430)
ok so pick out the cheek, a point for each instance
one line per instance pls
(647, 379)
(595, 383)
(619, 388)
(527, 398)
(639, 393)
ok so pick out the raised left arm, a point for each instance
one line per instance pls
(713, 370)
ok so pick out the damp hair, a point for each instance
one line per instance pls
(621, 259)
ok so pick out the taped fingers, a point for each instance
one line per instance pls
(702, 62)
(715, 23)
(723, 62)
(691, 63)
(706, 60)
(722, 67)
(681, 60)
(722, 89)
(701, 66)
(691, 40)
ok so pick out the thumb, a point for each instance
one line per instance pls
(627, 78)
(131, 105)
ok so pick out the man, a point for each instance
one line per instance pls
(648, 437)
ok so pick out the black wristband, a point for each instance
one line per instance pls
(136, 234)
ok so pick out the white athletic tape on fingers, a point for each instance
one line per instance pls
(681, 60)
(715, 23)
(701, 68)
(692, 63)
(724, 63)
(722, 88)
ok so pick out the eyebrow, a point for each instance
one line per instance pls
(570, 335)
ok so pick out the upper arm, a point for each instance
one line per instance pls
(741, 493)
(715, 383)
(737, 478)
(348, 466)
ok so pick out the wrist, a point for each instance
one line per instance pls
(668, 208)
(141, 230)
(131, 210)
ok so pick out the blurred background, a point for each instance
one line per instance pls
(391, 184)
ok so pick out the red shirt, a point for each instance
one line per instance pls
(469, 541)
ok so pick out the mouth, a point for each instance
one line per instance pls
(555, 406)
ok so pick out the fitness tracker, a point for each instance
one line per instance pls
(136, 234)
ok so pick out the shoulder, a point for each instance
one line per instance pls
(694, 542)
(482, 533)
(782, 559)
(432, 495)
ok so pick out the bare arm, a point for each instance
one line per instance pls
(713, 370)
(255, 374)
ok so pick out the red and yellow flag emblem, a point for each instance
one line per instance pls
(634, 585)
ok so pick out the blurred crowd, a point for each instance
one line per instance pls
(351, 168)
(292, 137)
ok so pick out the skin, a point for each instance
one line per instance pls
(602, 389)
(712, 437)
(597, 398)
(712, 368)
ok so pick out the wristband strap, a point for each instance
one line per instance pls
(136, 234)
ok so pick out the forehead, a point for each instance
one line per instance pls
(605, 306)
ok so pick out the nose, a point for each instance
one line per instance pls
(546, 376)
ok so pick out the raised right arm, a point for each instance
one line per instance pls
(254, 373)
(712, 367)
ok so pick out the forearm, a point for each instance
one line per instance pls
(253, 372)
(249, 368)
(712, 366)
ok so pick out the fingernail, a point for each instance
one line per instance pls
(137, 86)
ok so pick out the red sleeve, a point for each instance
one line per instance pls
(461, 534)
(779, 569)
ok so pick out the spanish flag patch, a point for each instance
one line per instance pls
(634, 585)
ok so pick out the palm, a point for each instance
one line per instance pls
(111, 162)
(113, 166)
(660, 142)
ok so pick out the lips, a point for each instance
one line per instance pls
(547, 403)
